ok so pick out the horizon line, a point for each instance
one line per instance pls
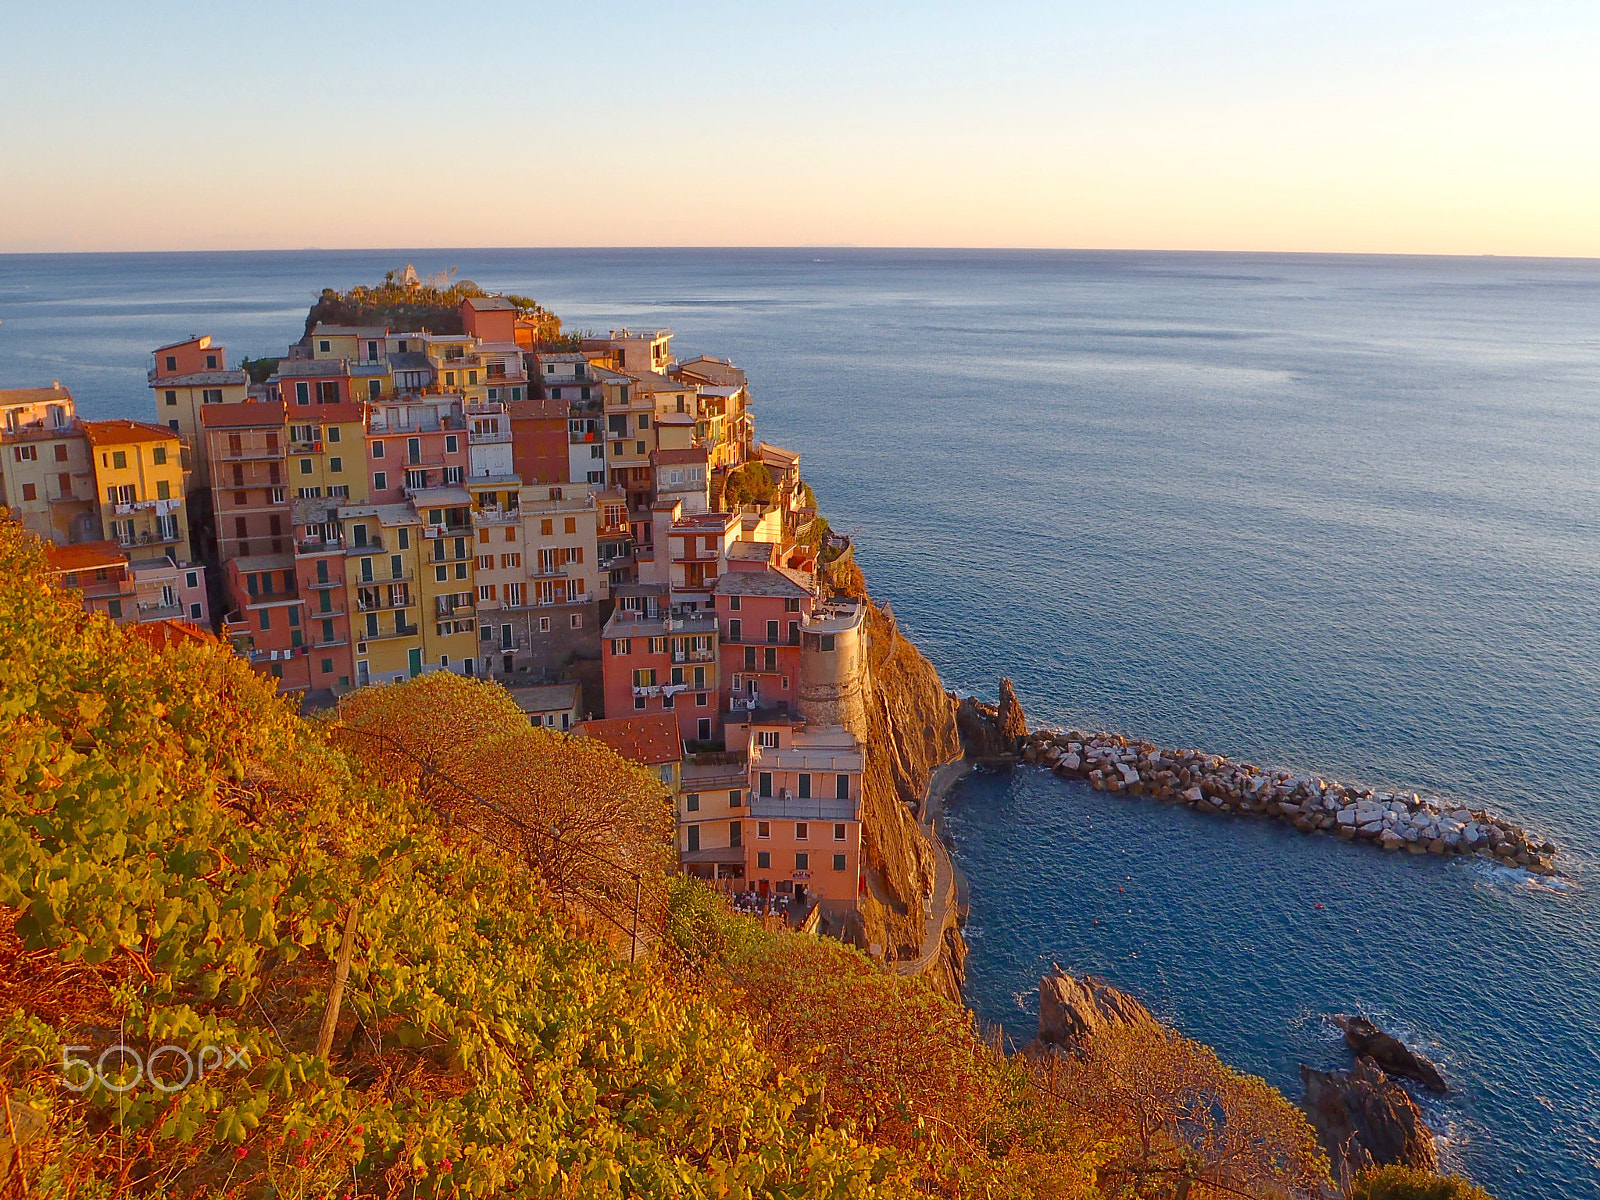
(831, 247)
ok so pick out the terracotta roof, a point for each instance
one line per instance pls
(165, 634)
(674, 457)
(352, 411)
(256, 414)
(537, 410)
(85, 556)
(228, 378)
(117, 433)
(651, 739)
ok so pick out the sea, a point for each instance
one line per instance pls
(1335, 514)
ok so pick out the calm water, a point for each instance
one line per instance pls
(1337, 514)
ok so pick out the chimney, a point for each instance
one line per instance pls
(56, 384)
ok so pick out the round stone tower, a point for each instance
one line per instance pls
(833, 667)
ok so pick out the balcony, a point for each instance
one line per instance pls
(496, 516)
(488, 437)
(444, 608)
(418, 424)
(694, 656)
(382, 600)
(330, 643)
(317, 614)
(147, 538)
(384, 635)
(405, 575)
(319, 546)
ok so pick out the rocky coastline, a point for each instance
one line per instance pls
(1390, 820)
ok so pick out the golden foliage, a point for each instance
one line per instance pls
(596, 828)
(1183, 1122)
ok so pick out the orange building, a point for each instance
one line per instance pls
(805, 806)
(188, 376)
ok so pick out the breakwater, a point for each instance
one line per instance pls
(1394, 821)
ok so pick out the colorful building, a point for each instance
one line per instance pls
(805, 809)
(46, 477)
(656, 660)
(760, 614)
(185, 378)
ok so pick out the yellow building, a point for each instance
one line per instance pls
(382, 547)
(45, 476)
(328, 453)
(139, 483)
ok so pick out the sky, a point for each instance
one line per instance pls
(1345, 126)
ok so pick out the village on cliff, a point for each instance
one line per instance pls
(586, 521)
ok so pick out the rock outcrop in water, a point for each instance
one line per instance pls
(1071, 1009)
(992, 733)
(1364, 1119)
(1211, 783)
(1390, 1053)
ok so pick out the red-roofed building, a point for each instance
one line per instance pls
(651, 740)
(759, 614)
(185, 378)
(249, 483)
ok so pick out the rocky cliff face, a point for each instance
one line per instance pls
(911, 730)
(990, 733)
(1071, 1009)
(1365, 1119)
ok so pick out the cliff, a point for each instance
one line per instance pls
(911, 730)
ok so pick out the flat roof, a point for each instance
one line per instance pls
(366, 331)
(774, 581)
(263, 562)
(44, 395)
(490, 304)
(652, 739)
(443, 497)
(393, 513)
(554, 697)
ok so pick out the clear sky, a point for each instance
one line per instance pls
(1381, 126)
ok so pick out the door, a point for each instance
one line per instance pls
(416, 663)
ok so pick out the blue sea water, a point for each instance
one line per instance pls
(1338, 514)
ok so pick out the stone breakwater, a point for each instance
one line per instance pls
(1395, 821)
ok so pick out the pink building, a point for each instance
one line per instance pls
(805, 814)
(759, 615)
(656, 660)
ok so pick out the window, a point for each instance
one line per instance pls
(802, 861)
(841, 787)
(380, 481)
(302, 392)
(440, 574)
(451, 444)
(324, 346)
(621, 646)
(772, 631)
(114, 608)
(575, 620)
(29, 492)
(336, 465)
(61, 452)
(802, 831)
(119, 458)
(333, 433)
(691, 802)
(172, 399)
(158, 456)
(546, 528)
(486, 592)
(377, 447)
(838, 862)
(192, 579)
(305, 466)
(485, 562)
(266, 618)
(638, 447)
(735, 833)
(194, 612)
(735, 627)
(25, 453)
(544, 624)
(572, 526)
(763, 829)
(163, 490)
(638, 702)
(767, 739)
(172, 362)
(838, 831)
(764, 860)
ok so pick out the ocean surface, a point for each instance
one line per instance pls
(1337, 514)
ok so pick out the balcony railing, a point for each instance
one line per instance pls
(488, 437)
(406, 575)
(496, 516)
(388, 634)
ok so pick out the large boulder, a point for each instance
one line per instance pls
(989, 733)
(1390, 1053)
(1364, 1120)
(1071, 1009)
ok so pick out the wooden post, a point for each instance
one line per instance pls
(341, 972)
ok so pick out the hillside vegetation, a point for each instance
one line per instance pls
(409, 926)
(433, 304)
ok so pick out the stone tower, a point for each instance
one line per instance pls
(833, 667)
